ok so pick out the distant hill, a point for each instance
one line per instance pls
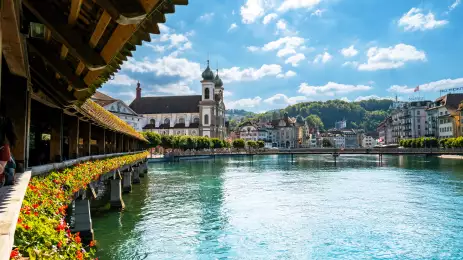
(366, 114)
(237, 113)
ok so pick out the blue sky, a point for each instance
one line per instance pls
(273, 53)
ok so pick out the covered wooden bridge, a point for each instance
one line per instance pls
(55, 54)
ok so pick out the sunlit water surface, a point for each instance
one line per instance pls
(273, 207)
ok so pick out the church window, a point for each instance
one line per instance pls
(206, 119)
(206, 93)
(167, 121)
(196, 120)
(152, 121)
(181, 120)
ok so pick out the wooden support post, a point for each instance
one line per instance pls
(123, 149)
(114, 138)
(85, 135)
(56, 142)
(18, 110)
(104, 141)
(99, 135)
(73, 124)
(136, 174)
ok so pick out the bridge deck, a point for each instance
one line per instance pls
(11, 199)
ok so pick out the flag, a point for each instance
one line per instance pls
(417, 89)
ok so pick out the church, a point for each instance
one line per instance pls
(197, 115)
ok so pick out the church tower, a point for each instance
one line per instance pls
(220, 107)
(207, 105)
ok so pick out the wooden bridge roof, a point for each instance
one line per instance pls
(74, 46)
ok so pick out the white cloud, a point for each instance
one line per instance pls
(285, 52)
(163, 28)
(233, 12)
(250, 74)
(227, 93)
(166, 66)
(281, 99)
(324, 58)
(330, 89)
(170, 41)
(295, 59)
(344, 99)
(269, 17)
(252, 10)
(244, 103)
(317, 12)
(287, 42)
(207, 17)
(415, 20)
(178, 88)
(288, 74)
(429, 87)
(349, 52)
(122, 79)
(297, 4)
(391, 57)
(253, 48)
(454, 5)
(353, 64)
(156, 48)
(361, 98)
(281, 26)
(232, 26)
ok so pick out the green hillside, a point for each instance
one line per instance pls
(365, 114)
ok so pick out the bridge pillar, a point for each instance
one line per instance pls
(83, 221)
(115, 200)
(143, 169)
(136, 174)
(127, 181)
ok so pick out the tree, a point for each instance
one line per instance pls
(217, 143)
(299, 119)
(166, 141)
(314, 121)
(153, 138)
(326, 143)
(238, 143)
(260, 144)
(252, 144)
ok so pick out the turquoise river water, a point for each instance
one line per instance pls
(272, 207)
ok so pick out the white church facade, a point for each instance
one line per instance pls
(196, 115)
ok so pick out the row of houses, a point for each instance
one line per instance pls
(288, 133)
(440, 119)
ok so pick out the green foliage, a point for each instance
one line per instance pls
(167, 141)
(366, 114)
(238, 143)
(432, 142)
(186, 142)
(252, 144)
(260, 144)
(314, 121)
(153, 137)
(217, 143)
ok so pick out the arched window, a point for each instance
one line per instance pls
(196, 120)
(206, 119)
(152, 121)
(181, 120)
(167, 121)
(206, 93)
(193, 132)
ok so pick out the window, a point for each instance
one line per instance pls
(206, 93)
(419, 127)
(152, 121)
(418, 112)
(196, 120)
(178, 133)
(440, 113)
(206, 119)
(167, 121)
(181, 120)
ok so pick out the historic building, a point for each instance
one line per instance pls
(201, 115)
(120, 109)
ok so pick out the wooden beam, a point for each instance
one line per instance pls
(124, 12)
(13, 42)
(115, 43)
(74, 12)
(58, 65)
(66, 34)
(149, 4)
(100, 28)
(180, 2)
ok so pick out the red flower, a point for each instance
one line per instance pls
(60, 244)
(19, 220)
(35, 205)
(79, 255)
(77, 238)
(92, 243)
(14, 253)
(26, 227)
(36, 214)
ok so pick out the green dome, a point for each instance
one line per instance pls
(218, 81)
(208, 74)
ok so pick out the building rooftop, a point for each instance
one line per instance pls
(166, 104)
